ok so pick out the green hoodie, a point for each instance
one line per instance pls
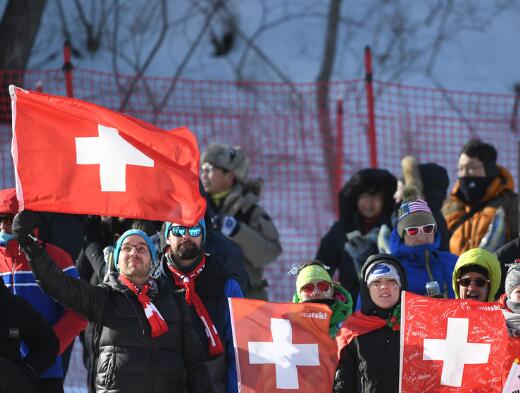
(341, 308)
(485, 259)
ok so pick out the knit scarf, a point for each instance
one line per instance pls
(155, 319)
(187, 281)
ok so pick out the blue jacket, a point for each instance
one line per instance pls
(417, 259)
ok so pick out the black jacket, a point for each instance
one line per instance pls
(21, 322)
(370, 363)
(129, 359)
(210, 285)
(507, 254)
(332, 250)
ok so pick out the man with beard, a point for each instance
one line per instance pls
(482, 210)
(207, 285)
(145, 340)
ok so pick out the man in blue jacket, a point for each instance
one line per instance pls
(207, 285)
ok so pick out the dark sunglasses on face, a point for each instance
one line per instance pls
(414, 231)
(479, 282)
(179, 231)
(323, 286)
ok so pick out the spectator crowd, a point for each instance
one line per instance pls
(149, 299)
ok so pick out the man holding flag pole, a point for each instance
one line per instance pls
(71, 156)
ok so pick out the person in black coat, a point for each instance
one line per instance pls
(21, 322)
(369, 339)
(365, 203)
(144, 334)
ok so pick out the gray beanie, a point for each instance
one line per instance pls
(230, 158)
(512, 278)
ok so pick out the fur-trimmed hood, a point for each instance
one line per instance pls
(366, 180)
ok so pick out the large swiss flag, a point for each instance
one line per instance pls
(450, 345)
(72, 156)
(283, 347)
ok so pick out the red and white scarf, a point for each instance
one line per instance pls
(187, 281)
(155, 319)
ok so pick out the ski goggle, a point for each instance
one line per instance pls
(179, 231)
(414, 231)
(323, 286)
(479, 282)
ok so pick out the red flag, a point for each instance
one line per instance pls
(283, 346)
(451, 345)
(72, 156)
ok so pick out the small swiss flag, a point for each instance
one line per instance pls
(450, 345)
(72, 156)
(282, 347)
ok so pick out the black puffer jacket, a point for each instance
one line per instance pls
(129, 359)
(21, 322)
(332, 251)
(370, 363)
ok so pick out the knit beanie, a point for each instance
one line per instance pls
(382, 270)
(230, 158)
(8, 201)
(413, 212)
(149, 243)
(512, 279)
(312, 272)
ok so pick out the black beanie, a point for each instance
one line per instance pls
(473, 269)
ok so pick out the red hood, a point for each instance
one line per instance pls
(8, 201)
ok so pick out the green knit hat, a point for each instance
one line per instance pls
(312, 272)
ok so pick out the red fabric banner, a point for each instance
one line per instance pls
(72, 156)
(283, 346)
(451, 345)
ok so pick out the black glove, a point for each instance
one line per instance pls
(23, 226)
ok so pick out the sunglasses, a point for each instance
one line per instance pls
(323, 286)
(479, 282)
(414, 231)
(179, 231)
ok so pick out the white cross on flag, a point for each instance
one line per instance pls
(72, 156)
(448, 345)
(282, 347)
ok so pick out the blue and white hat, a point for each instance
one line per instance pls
(382, 270)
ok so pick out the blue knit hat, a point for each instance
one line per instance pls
(202, 224)
(130, 232)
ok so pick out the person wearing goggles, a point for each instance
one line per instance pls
(314, 285)
(416, 242)
(477, 275)
(207, 285)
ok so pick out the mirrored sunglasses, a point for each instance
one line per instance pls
(414, 231)
(179, 231)
(323, 286)
(479, 282)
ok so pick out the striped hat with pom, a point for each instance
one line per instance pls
(413, 212)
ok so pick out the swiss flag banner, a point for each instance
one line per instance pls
(282, 347)
(72, 156)
(451, 345)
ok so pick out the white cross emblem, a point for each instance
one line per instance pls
(284, 354)
(455, 351)
(113, 154)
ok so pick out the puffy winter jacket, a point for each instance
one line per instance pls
(257, 236)
(129, 359)
(471, 232)
(21, 322)
(425, 263)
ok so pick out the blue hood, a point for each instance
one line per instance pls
(400, 250)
